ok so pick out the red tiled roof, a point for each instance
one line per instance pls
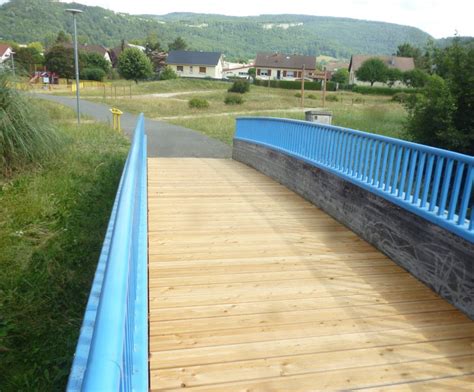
(4, 48)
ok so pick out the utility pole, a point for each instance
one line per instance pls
(324, 88)
(74, 12)
(302, 86)
(13, 64)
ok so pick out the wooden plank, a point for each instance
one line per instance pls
(280, 348)
(253, 288)
(291, 365)
(348, 378)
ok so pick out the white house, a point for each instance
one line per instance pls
(236, 70)
(196, 64)
(284, 67)
(5, 52)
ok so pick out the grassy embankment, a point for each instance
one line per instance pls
(368, 113)
(53, 219)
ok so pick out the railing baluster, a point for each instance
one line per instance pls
(445, 187)
(466, 195)
(376, 180)
(437, 178)
(340, 158)
(397, 171)
(375, 147)
(406, 158)
(455, 192)
(384, 165)
(350, 140)
(411, 175)
(419, 179)
(426, 185)
(368, 154)
(390, 167)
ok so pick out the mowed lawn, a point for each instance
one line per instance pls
(168, 101)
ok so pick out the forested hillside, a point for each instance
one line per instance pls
(238, 37)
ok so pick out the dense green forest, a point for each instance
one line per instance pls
(24, 21)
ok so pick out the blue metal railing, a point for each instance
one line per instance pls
(433, 183)
(112, 351)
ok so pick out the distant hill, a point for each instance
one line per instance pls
(238, 37)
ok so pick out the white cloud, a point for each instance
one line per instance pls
(436, 17)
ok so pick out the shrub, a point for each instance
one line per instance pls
(383, 90)
(198, 103)
(296, 84)
(26, 134)
(97, 74)
(168, 73)
(332, 98)
(233, 99)
(401, 97)
(312, 96)
(298, 95)
(239, 86)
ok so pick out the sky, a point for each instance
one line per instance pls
(440, 18)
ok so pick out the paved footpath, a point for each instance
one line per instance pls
(164, 140)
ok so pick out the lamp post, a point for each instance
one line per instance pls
(74, 12)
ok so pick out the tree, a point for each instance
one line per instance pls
(168, 73)
(394, 75)
(133, 64)
(442, 115)
(61, 61)
(372, 70)
(37, 45)
(178, 44)
(408, 50)
(152, 44)
(27, 58)
(95, 60)
(63, 38)
(341, 76)
(415, 78)
(431, 114)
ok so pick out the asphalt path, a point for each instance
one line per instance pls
(164, 140)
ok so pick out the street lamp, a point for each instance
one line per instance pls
(74, 12)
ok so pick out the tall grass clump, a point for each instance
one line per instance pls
(26, 134)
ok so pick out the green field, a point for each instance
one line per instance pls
(374, 114)
(53, 220)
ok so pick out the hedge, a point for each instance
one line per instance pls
(367, 90)
(295, 84)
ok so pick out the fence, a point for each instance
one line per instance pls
(433, 183)
(112, 351)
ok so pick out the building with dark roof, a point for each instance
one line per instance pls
(284, 66)
(196, 64)
(402, 63)
(99, 49)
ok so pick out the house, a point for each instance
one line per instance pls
(236, 70)
(5, 52)
(196, 64)
(333, 67)
(402, 63)
(284, 67)
(104, 52)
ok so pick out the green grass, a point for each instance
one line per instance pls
(52, 223)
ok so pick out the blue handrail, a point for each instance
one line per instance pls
(433, 183)
(112, 351)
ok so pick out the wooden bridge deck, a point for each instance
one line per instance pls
(253, 288)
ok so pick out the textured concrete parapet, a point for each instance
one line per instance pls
(437, 257)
